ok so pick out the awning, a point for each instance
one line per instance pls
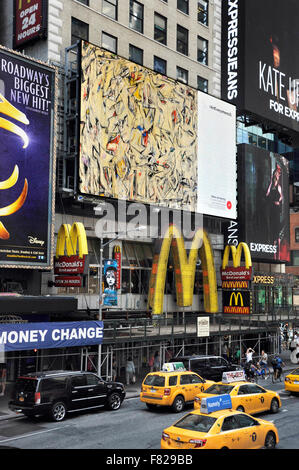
(37, 304)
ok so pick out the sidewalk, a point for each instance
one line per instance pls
(132, 391)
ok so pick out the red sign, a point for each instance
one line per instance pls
(235, 284)
(68, 281)
(241, 273)
(69, 265)
(29, 20)
(117, 257)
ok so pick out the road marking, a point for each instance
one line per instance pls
(32, 434)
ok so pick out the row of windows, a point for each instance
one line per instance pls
(110, 8)
(109, 42)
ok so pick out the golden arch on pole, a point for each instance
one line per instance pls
(184, 268)
(68, 237)
(236, 255)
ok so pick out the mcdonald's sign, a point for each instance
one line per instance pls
(30, 21)
(236, 272)
(69, 239)
(237, 302)
(184, 270)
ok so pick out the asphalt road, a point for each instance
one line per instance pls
(131, 427)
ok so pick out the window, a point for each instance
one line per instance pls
(182, 75)
(245, 421)
(109, 8)
(136, 54)
(79, 381)
(182, 40)
(194, 379)
(172, 380)
(203, 12)
(85, 2)
(297, 234)
(185, 379)
(79, 30)
(160, 29)
(92, 379)
(230, 423)
(202, 84)
(183, 5)
(109, 42)
(202, 50)
(155, 380)
(136, 16)
(57, 383)
(160, 65)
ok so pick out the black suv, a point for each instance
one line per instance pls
(208, 367)
(58, 392)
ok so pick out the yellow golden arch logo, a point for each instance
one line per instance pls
(236, 298)
(236, 255)
(69, 237)
(184, 269)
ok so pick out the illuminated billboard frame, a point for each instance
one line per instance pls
(263, 203)
(260, 69)
(138, 133)
(28, 104)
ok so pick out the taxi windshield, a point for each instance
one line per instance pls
(155, 380)
(218, 389)
(195, 422)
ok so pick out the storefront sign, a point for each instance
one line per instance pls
(236, 302)
(69, 265)
(235, 284)
(263, 280)
(68, 281)
(17, 337)
(30, 21)
(237, 272)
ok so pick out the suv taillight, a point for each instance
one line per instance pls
(198, 442)
(37, 398)
(167, 391)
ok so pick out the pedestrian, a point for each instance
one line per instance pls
(151, 362)
(130, 371)
(263, 363)
(157, 361)
(114, 370)
(3, 378)
(249, 354)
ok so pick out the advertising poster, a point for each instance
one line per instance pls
(138, 133)
(30, 21)
(216, 157)
(27, 156)
(263, 196)
(260, 65)
(110, 278)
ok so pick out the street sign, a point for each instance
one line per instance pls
(203, 326)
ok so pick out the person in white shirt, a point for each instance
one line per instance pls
(249, 354)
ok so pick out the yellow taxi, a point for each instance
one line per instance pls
(172, 386)
(245, 396)
(219, 427)
(291, 381)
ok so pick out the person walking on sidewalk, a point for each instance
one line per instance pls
(130, 371)
(263, 363)
(157, 362)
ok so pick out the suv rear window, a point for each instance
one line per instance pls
(26, 385)
(57, 383)
(156, 380)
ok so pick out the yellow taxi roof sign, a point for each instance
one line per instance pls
(233, 376)
(173, 367)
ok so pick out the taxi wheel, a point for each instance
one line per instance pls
(240, 408)
(274, 406)
(270, 441)
(178, 404)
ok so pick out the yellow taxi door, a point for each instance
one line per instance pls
(259, 398)
(196, 385)
(250, 431)
(245, 398)
(186, 387)
(230, 434)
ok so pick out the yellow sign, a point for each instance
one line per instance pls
(236, 255)
(263, 279)
(184, 269)
(236, 296)
(68, 237)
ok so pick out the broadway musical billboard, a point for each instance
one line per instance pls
(27, 156)
(260, 65)
(263, 205)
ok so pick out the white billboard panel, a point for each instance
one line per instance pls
(217, 170)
